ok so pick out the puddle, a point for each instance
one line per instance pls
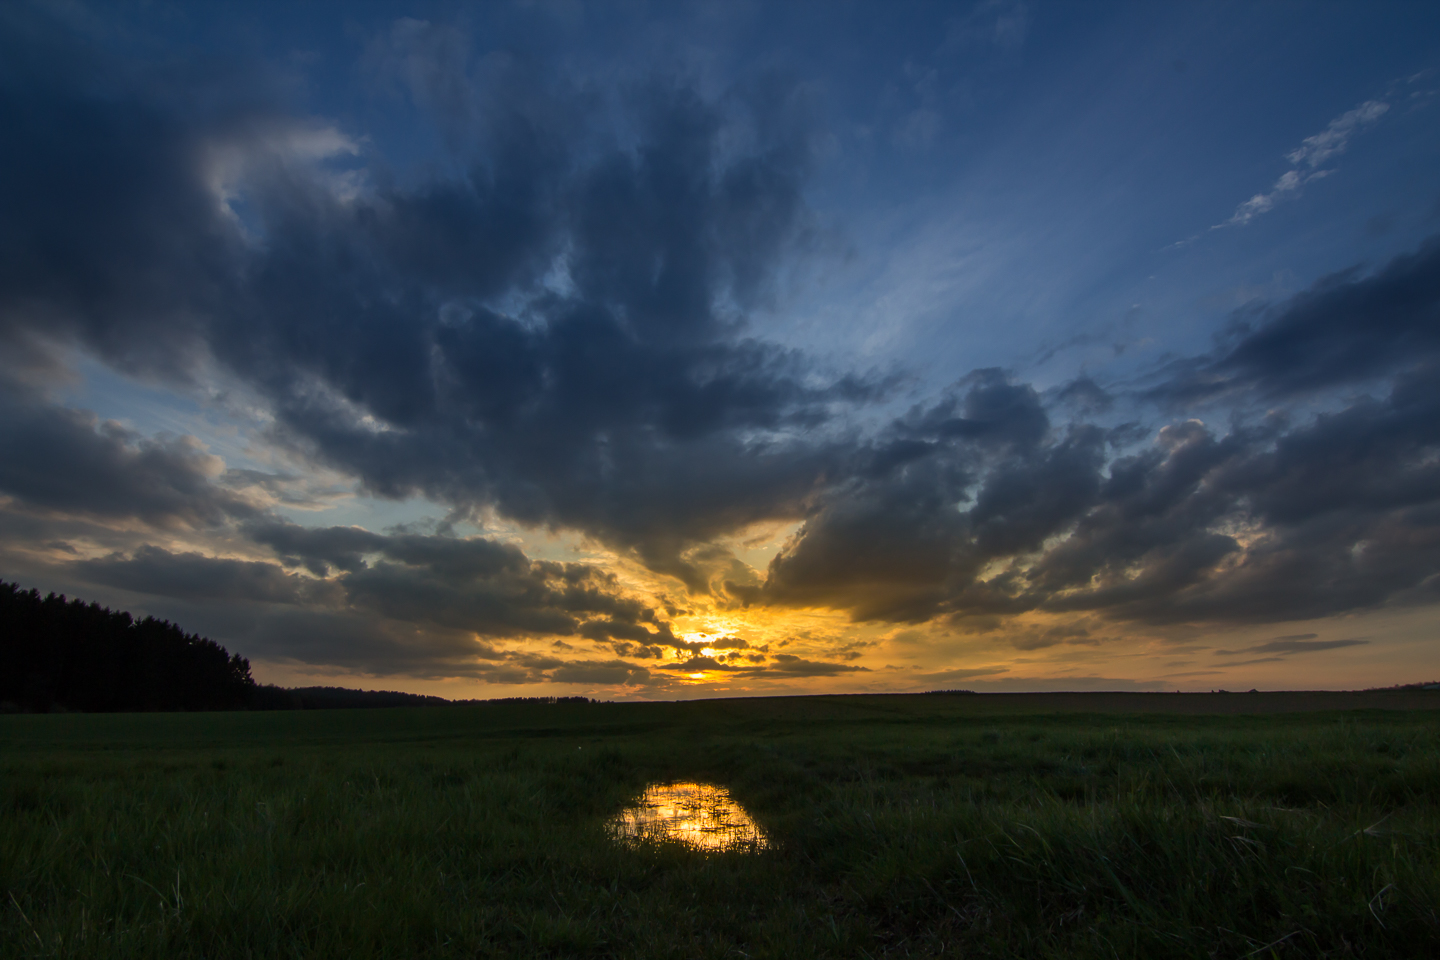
(701, 815)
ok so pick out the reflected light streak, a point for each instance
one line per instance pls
(699, 815)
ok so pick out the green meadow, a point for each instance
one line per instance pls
(1239, 825)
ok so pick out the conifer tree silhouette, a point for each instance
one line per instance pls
(60, 654)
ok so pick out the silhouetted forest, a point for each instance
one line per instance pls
(270, 697)
(539, 700)
(59, 654)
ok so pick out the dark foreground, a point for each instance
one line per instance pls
(1074, 825)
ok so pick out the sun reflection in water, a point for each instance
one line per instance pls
(700, 815)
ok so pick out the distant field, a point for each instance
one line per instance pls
(1075, 825)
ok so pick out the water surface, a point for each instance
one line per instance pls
(702, 815)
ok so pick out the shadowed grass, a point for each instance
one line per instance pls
(902, 827)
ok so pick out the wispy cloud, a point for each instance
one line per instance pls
(1294, 643)
(1306, 159)
(1003, 23)
(1288, 184)
(1334, 138)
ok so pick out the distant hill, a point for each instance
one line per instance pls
(268, 697)
(1424, 685)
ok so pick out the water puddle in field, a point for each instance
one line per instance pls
(700, 815)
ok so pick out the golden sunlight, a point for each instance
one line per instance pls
(700, 815)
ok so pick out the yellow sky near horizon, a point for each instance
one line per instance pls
(1389, 647)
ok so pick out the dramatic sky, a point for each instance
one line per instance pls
(657, 350)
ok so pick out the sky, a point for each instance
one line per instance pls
(670, 350)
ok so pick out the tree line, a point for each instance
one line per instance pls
(269, 697)
(60, 654)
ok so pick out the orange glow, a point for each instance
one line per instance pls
(700, 815)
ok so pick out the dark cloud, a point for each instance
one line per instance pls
(193, 576)
(727, 643)
(113, 237)
(342, 639)
(1280, 517)
(318, 550)
(351, 641)
(69, 462)
(1259, 525)
(555, 328)
(788, 665)
(473, 584)
(1346, 329)
(978, 482)
(600, 673)
(781, 665)
(1246, 663)
(952, 676)
(400, 603)
(1297, 643)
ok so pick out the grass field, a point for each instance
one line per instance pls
(1088, 825)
